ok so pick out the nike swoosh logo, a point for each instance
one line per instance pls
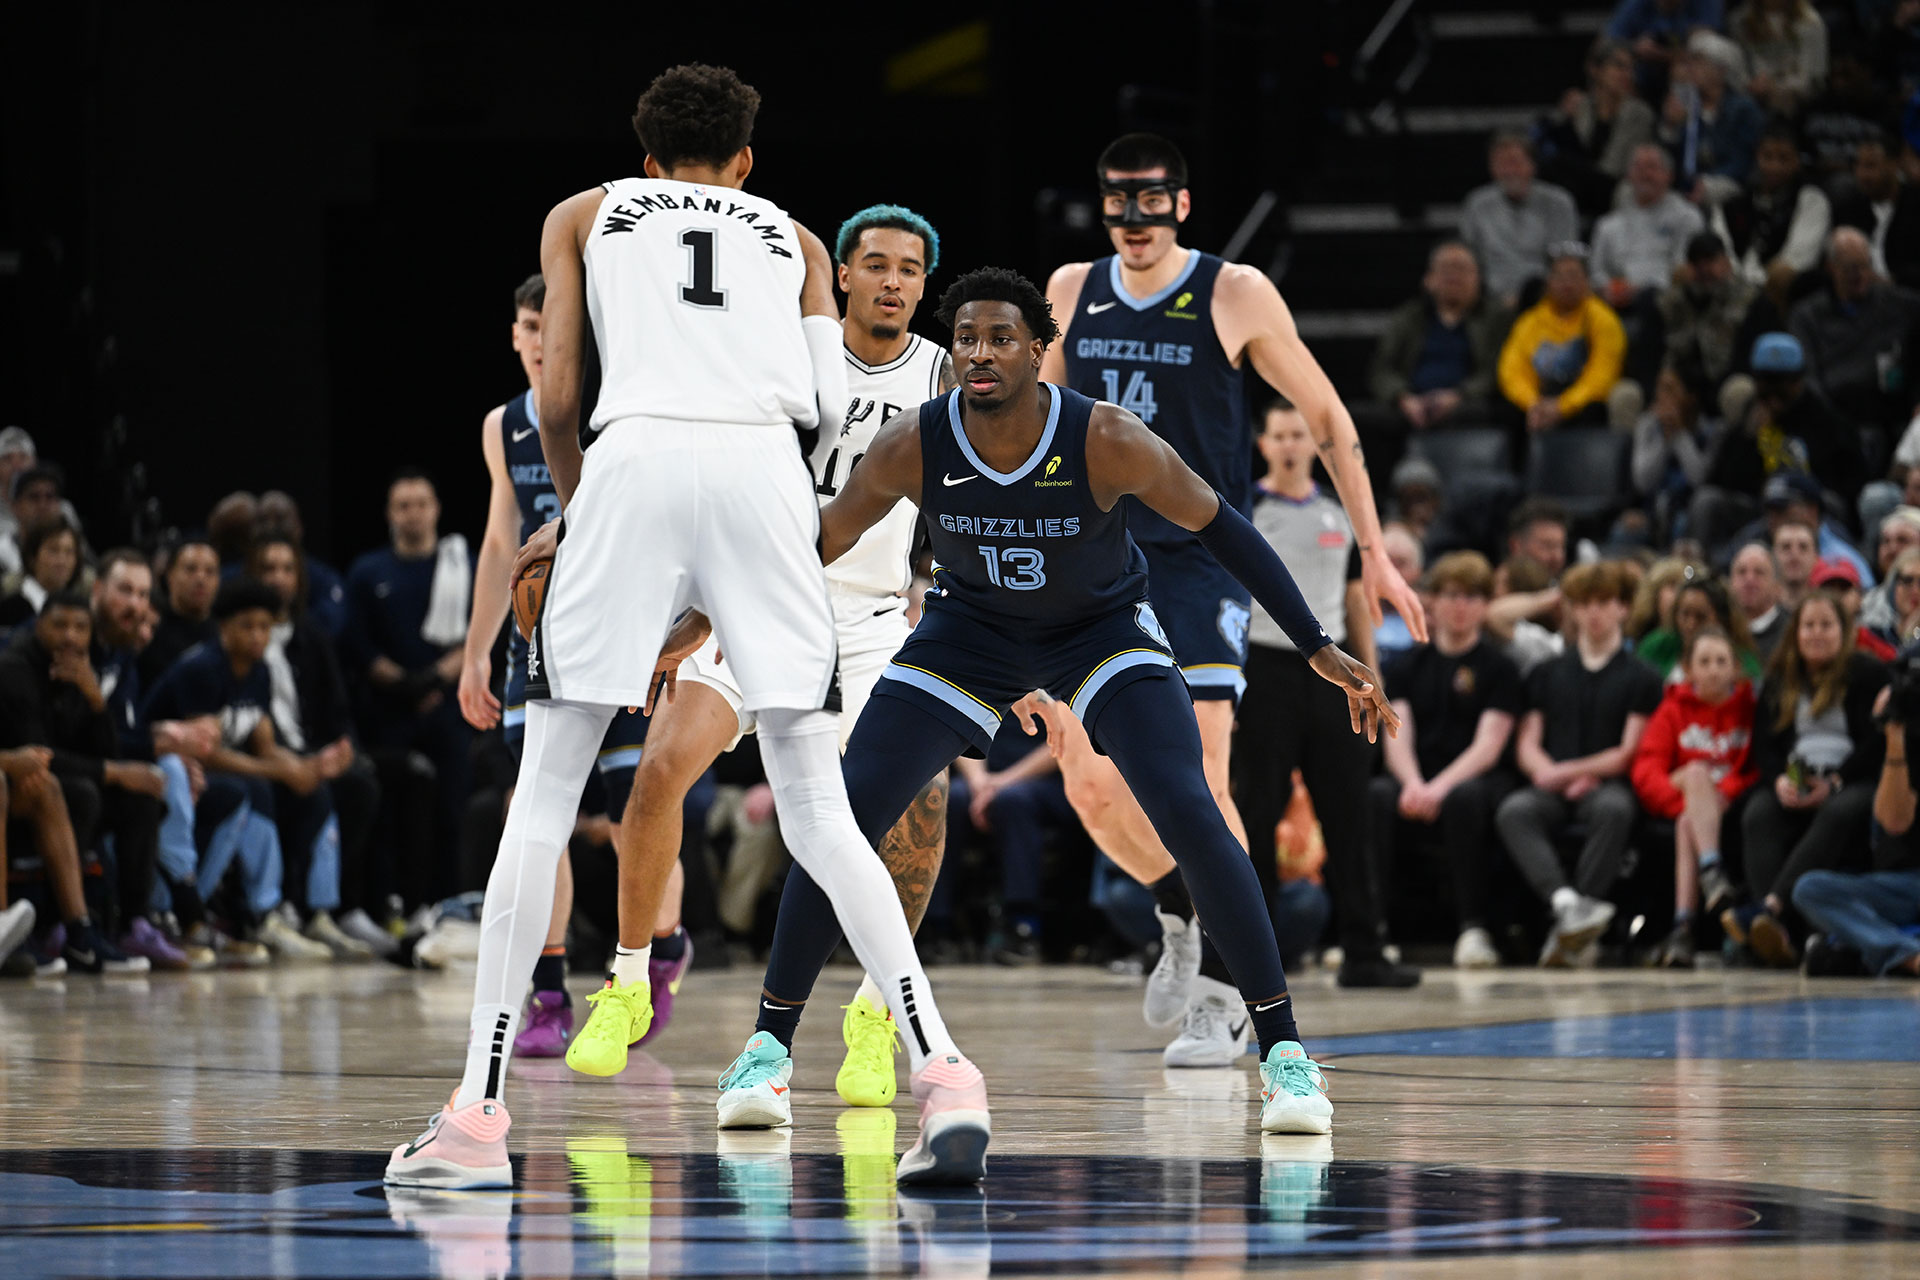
(1239, 1032)
(777, 1008)
(1095, 308)
(780, 1088)
(1262, 1008)
(415, 1147)
(518, 436)
(84, 957)
(949, 481)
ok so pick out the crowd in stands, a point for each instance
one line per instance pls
(1662, 715)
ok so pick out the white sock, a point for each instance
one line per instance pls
(1564, 900)
(870, 992)
(801, 752)
(561, 743)
(630, 966)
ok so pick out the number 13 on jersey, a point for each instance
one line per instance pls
(1136, 399)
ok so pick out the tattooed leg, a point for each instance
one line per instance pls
(914, 848)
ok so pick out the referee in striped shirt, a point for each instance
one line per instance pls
(1290, 718)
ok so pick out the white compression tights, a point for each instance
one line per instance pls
(801, 752)
(562, 741)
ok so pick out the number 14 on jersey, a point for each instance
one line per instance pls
(1136, 399)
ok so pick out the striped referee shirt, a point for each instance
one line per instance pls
(1315, 538)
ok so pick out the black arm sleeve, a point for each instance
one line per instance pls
(1242, 552)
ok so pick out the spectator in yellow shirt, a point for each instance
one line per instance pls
(1565, 354)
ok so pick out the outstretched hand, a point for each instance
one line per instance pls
(682, 642)
(1367, 703)
(1043, 707)
(1380, 581)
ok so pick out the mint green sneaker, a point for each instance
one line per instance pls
(1293, 1092)
(753, 1092)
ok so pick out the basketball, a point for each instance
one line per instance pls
(529, 592)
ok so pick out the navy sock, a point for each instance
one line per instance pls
(670, 946)
(1273, 1022)
(1170, 895)
(550, 972)
(779, 1018)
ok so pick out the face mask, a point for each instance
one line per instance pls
(1133, 215)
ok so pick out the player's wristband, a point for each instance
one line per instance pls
(1242, 552)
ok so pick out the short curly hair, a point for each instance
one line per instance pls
(893, 216)
(696, 114)
(997, 284)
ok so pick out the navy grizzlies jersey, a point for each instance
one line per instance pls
(527, 465)
(1160, 360)
(1030, 546)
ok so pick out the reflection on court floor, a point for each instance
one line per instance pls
(754, 1209)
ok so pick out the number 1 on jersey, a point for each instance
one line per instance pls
(701, 293)
(1137, 399)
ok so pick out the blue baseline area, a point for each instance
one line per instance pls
(1872, 1029)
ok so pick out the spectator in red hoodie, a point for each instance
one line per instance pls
(1695, 760)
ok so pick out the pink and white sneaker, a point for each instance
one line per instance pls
(462, 1148)
(548, 1028)
(665, 976)
(954, 1126)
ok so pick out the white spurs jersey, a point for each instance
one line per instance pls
(694, 295)
(878, 562)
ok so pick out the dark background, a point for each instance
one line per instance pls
(276, 248)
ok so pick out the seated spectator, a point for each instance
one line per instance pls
(1418, 495)
(1852, 110)
(1867, 920)
(1884, 208)
(17, 453)
(1709, 124)
(1564, 355)
(1435, 362)
(1651, 611)
(311, 713)
(1778, 225)
(1694, 761)
(1788, 445)
(1585, 713)
(1537, 535)
(1673, 444)
(1512, 221)
(230, 527)
(1521, 587)
(1796, 553)
(230, 680)
(185, 607)
(1018, 801)
(51, 552)
(1815, 749)
(406, 624)
(1895, 617)
(1641, 244)
(1404, 552)
(1457, 698)
(1700, 603)
(1657, 31)
(1786, 46)
(1705, 310)
(277, 515)
(56, 745)
(1841, 580)
(1754, 584)
(1588, 141)
(37, 497)
(1859, 338)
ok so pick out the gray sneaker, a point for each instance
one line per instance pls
(1716, 891)
(1172, 978)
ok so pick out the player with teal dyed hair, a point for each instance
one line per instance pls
(894, 216)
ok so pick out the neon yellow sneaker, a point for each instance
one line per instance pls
(618, 1189)
(866, 1161)
(866, 1077)
(619, 1016)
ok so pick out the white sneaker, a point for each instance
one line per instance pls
(754, 1093)
(446, 942)
(358, 925)
(1474, 949)
(1214, 1031)
(1172, 978)
(323, 930)
(16, 922)
(286, 943)
(1293, 1093)
(1582, 921)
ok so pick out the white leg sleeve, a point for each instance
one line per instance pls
(801, 751)
(562, 741)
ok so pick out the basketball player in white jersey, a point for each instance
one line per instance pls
(714, 315)
(1239, 321)
(885, 255)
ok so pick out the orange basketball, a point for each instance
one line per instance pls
(529, 592)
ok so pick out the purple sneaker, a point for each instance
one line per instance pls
(665, 976)
(548, 1028)
(142, 939)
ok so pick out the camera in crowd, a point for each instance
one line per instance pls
(1903, 690)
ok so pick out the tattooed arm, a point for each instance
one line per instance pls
(1251, 317)
(947, 381)
(913, 849)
